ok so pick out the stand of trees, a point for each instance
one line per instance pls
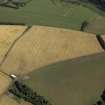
(24, 92)
(99, 4)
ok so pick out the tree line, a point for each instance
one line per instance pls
(24, 92)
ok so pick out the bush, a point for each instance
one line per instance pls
(83, 25)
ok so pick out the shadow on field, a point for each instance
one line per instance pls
(72, 82)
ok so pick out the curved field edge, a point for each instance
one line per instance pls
(78, 82)
(42, 46)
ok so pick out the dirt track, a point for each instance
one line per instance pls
(41, 46)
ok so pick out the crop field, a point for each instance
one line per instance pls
(44, 12)
(42, 46)
(50, 54)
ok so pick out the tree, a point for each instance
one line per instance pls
(22, 91)
(83, 25)
(101, 41)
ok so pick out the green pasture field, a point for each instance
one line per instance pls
(44, 12)
(73, 82)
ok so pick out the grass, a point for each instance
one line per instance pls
(43, 12)
(78, 82)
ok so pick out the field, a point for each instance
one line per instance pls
(42, 46)
(44, 12)
(94, 27)
(65, 66)
(72, 82)
(7, 35)
(39, 47)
